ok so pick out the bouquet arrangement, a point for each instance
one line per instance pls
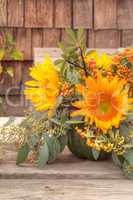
(82, 100)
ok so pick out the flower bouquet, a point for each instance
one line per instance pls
(84, 101)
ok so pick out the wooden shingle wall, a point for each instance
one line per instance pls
(41, 23)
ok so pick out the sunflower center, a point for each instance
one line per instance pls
(104, 107)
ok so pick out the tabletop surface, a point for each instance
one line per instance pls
(66, 178)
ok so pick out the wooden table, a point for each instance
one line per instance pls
(67, 178)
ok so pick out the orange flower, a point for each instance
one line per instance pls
(104, 102)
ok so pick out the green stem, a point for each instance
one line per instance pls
(84, 65)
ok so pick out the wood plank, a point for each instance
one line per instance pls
(3, 33)
(63, 13)
(127, 38)
(37, 39)
(25, 71)
(82, 13)
(64, 167)
(38, 13)
(125, 14)
(65, 189)
(56, 53)
(51, 37)
(15, 105)
(23, 41)
(15, 13)
(105, 14)
(104, 39)
(3, 13)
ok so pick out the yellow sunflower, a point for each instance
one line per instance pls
(104, 102)
(102, 61)
(44, 89)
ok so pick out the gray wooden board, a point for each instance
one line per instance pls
(90, 189)
(55, 53)
(67, 166)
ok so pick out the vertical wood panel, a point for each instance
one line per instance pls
(127, 38)
(51, 37)
(30, 13)
(23, 40)
(125, 14)
(37, 39)
(105, 14)
(82, 13)
(3, 12)
(17, 74)
(91, 39)
(15, 13)
(3, 33)
(25, 71)
(39, 13)
(104, 39)
(63, 13)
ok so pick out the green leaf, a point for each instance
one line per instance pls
(71, 34)
(53, 147)
(9, 70)
(9, 39)
(16, 55)
(2, 53)
(43, 155)
(129, 156)
(130, 117)
(34, 140)
(59, 62)
(95, 153)
(63, 140)
(128, 170)
(74, 122)
(118, 160)
(124, 130)
(22, 153)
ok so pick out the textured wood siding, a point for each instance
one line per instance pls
(41, 23)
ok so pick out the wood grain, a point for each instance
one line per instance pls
(15, 105)
(23, 41)
(82, 13)
(127, 38)
(104, 39)
(125, 14)
(51, 37)
(64, 167)
(38, 13)
(15, 13)
(62, 13)
(65, 189)
(3, 13)
(25, 70)
(37, 39)
(105, 14)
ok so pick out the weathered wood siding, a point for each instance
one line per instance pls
(41, 23)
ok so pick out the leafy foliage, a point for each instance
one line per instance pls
(44, 138)
(22, 153)
(8, 50)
